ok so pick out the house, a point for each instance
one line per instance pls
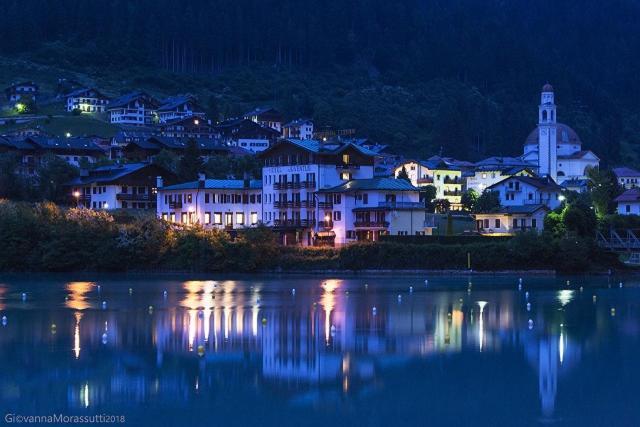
(629, 202)
(24, 91)
(509, 220)
(213, 203)
(294, 171)
(575, 184)
(627, 177)
(554, 148)
(145, 148)
(246, 134)
(86, 100)
(494, 169)
(188, 127)
(444, 173)
(298, 129)
(365, 209)
(123, 186)
(137, 109)
(266, 117)
(526, 190)
(179, 107)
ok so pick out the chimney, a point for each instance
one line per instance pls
(159, 182)
(201, 180)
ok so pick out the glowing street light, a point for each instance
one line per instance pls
(562, 198)
(106, 205)
(68, 134)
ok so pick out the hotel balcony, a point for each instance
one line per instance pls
(327, 225)
(82, 198)
(401, 205)
(308, 184)
(425, 180)
(175, 205)
(448, 193)
(133, 197)
(448, 180)
(328, 205)
(371, 224)
(293, 223)
(345, 166)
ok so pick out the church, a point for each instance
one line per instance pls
(554, 148)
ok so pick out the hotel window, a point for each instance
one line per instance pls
(345, 159)
(534, 223)
(337, 199)
(183, 218)
(627, 208)
(497, 222)
(207, 217)
(515, 223)
(486, 223)
(337, 215)
(530, 196)
(165, 216)
(365, 198)
(217, 218)
(239, 218)
(172, 217)
(189, 198)
(228, 218)
(345, 176)
(206, 197)
(254, 218)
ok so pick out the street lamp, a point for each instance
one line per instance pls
(106, 205)
(562, 198)
(76, 194)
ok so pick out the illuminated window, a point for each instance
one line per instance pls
(228, 218)
(172, 217)
(217, 218)
(165, 216)
(345, 159)
(207, 217)
(254, 218)
(239, 218)
(183, 218)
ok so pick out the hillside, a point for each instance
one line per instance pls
(423, 76)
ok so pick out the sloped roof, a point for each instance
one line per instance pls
(631, 195)
(82, 91)
(519, 209)
(77, 144)
(564, 135)
(320, 147)
(579, 155)
(297, 122)
(626, 172)
(261, 110)
(110, 173)
(174, 102)
(126, 99)
(541, 183)
(218, 184)
(381, 184)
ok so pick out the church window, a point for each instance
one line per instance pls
(544, 115)
(552, 115)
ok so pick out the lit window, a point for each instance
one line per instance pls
(254, 218)
(239, 218)
(217, 218)
(207, 217)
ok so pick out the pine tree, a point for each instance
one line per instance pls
(191, 163)
(403, 174)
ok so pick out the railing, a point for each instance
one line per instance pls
(308, 184)
(448, 180)
(83, 198)
(325, 204)
(175, 205)
(128, 196)
(452, 193)
(401, 205)
(616, 242)
(326, 224)
(302, 223)
(371, 224)
(347, 166)
(308, 204)
(280, 185)
(427, 180)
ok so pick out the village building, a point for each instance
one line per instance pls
(228, 204)
(188, 127)
(526, 190)
(494, 169)
(247, 134)
(627, 177)
(444, 173)
(628, 203)
(23, 91)
(365, 209)
(137, 109)
(122, 186)
(146, 148)
(298, 129)
(266, 117)
(179, 107)
(86, 100)
(554, 148)
(509, 220)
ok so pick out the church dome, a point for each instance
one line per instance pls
(547, 88)
(564, 135)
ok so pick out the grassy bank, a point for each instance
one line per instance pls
(42, 237)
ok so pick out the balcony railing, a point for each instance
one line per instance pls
(134, 197)
(452, 193)
(175, 205)
(308, 184)
(279, 185)
(82, 197)
(426, 180)
(326, 224)
(293, 223)
(371, 224)
(401, 205)
(448, 180)
(325, 205)
(347, 166)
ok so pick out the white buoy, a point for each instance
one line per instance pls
(426, 283)
(130, 291)
(104, 338)
(594, 298)
(620, 285)
(4, 320)
(528, 306)
(530, 323)
(24, 296)
(581, 289)
(150, 309)
(519, 286)
(164, 294)
(399, 298)
(520, 280)
(375, 310)
(293, 291)
(411, 289)
(568, 283)
(99, 288)
(104, 305)
(526, 295)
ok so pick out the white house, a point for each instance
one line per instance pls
(627, 177)
(267, 117)
(509, 220)
(179, 107)
(494, 169)
(138, 109)
(86, 100)
(213, 203)
(526, 190)
(629, 202)
(24, 91)
(554, 148)
(126, 186)
(365, 209)
(298, 129)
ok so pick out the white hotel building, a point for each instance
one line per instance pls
(213, 203)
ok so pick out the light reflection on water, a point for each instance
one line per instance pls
(332, 350)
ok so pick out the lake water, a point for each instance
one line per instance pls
(294, 351)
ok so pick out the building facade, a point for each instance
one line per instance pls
(629, 202)
(228, 204)
(298, 129)
(266, 117)
(525, 190)
(627, 177)
(510, 220)
(135, 109)
(179, 107)
(86, 100)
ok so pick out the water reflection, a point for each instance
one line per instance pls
(149, 347)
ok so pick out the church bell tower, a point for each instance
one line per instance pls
(547, 138)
